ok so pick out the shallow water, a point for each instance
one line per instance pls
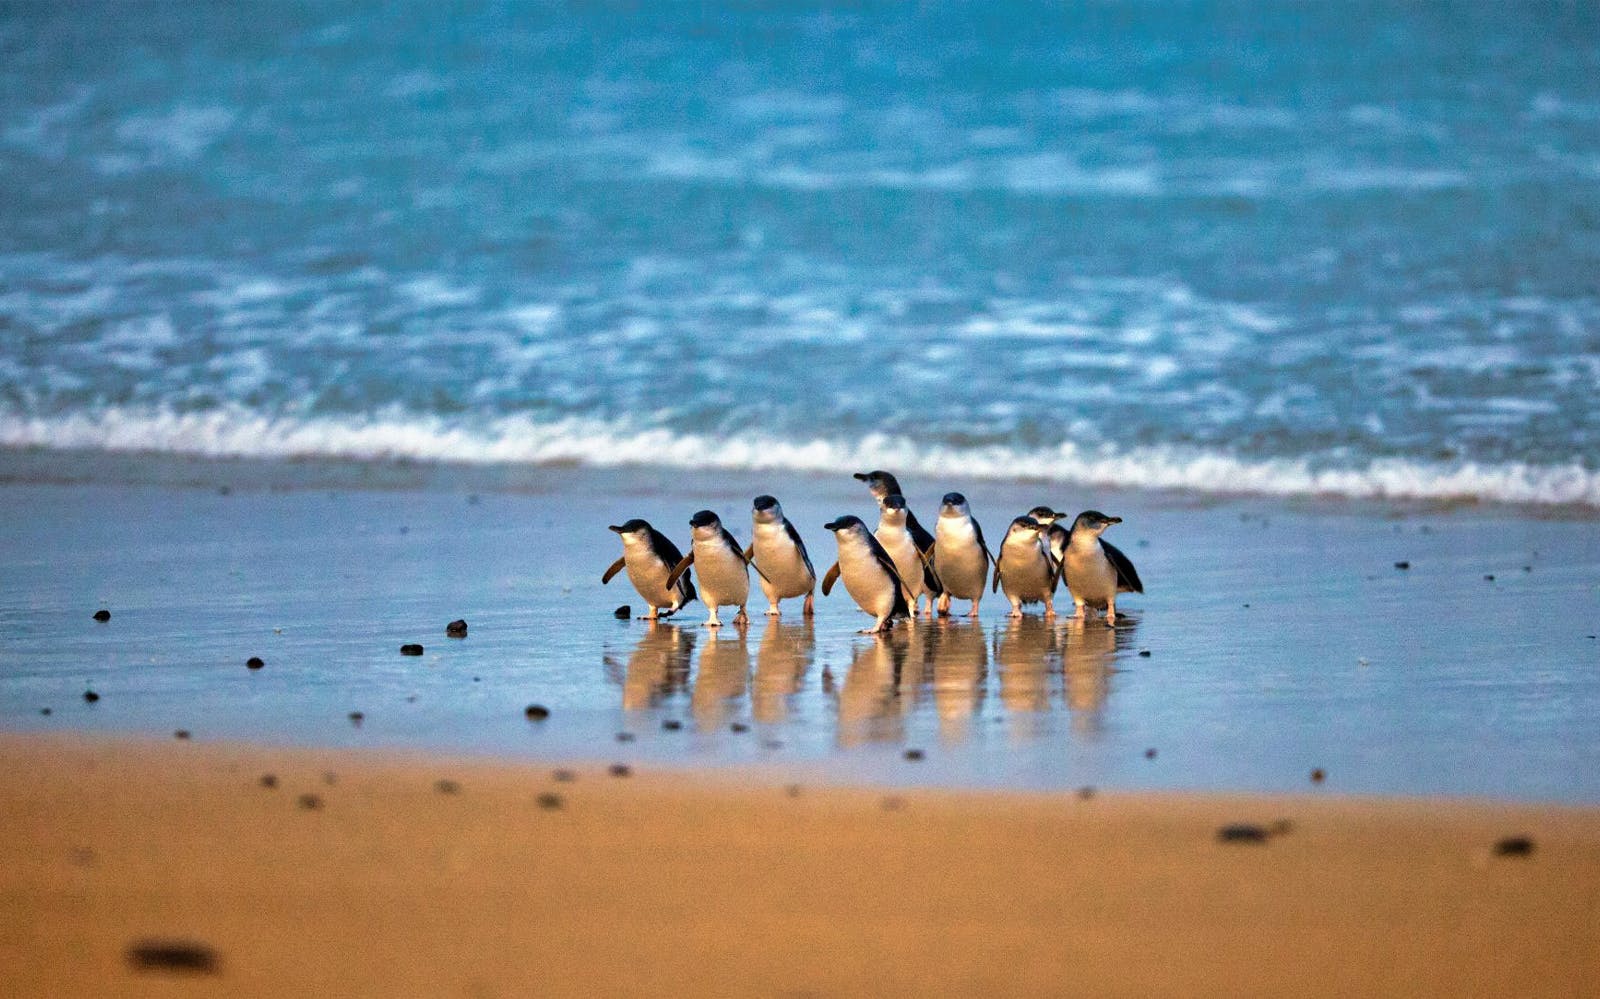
(1293, 249)
(1280, 641)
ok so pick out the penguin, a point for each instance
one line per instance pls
(959, 555)
(777, 551)
(868, 571)
(724, 570)
(650, 557)
(1055, 535)
(1096, 570)
(882, 485)
(1025, 568)
(895, 537)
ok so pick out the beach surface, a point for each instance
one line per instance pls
(442, 876)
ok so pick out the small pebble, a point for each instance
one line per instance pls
(356, 718)
(44, 711)
(622, 613)
(1317, 776)
(738, 727)
(1527, 568)
(914, 754)
(1242, 833)
(456, 629)
(892, 804)
(181, 733)
(536, 712)
(447, 786)
(1085, 793)
(624, 736)
(309, 802)
(1402, 565)
(549, 800)
(254, 662)
(563, 776)
(102, 615)
(411, 649)
(172, 955)
(1144, 653)
(1514, 846)
(269, 781)
(793, 790)
(1488, 577)
(672, 724)
(620, 770)
(90, 696)
(1150, 754)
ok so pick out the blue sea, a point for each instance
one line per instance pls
(1343, 249)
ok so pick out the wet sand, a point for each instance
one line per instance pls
(430, 875)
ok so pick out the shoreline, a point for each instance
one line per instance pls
(432, 874)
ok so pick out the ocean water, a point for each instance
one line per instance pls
(1346, 249)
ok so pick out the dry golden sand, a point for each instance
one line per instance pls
(668, 883)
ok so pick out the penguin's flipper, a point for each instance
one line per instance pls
(794, 536)
(996, 587)
(978, 532)
(616, 567)
(679, 569)
(831, 578)
(750, 552)
(930, 576)
(1127, 575)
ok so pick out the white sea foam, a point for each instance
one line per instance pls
(234, 433)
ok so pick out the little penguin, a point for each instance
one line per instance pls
(1025, 567)
(780, 556)
(724, 571)
(1096, 570)
(1055, 535)
(650, 557)
(868, 572)
(915, 570)
(882, 485)
(959, 555)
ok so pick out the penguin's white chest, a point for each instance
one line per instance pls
(648, 574)
(903, 552)
(959, 559)
(869, 585)
(1090, 575)
(1023, 571)
(775, 554)
(724, 578)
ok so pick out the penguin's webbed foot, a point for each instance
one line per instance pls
(741, 617)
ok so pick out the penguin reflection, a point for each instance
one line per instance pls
(1024, 652)
(1087, 654)
(960, 655)
(658, 667)
(782, 660)
(723, 676)
(868, 697)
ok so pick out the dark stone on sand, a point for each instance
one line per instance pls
(563, 776)
(1514, 846)
(447, 786)
(738, 727)
(672, 724)
(1317, 776)
(184, 956)
(793, 790)
(1402, 565)
(102, 615)
(1150, 754)
(1085, 793)
(622, 613)
(90, 696)
(254, 662)
(1527, 568)
(536, 712)
(1144, 653)
(44, 711)
(549, 800)
(310, 802)
(181, 734)
(1241, 833)
(411, 649)
(356, 718)
(914, 755)
(1488, 577)
(269, 781)
(456, 629)
(624, 736)
(892, 804)
(620, 770)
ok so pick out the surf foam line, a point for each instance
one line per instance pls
(234, 433)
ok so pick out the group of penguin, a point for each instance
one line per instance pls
(888, 572)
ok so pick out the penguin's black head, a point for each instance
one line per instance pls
(843, 523)
(1026, 524)
(705, 518)
(881, 483)
(1043, 514)
(631, 527)
(894, 501)
(1094, 520)
(955, 499)
(764, 503)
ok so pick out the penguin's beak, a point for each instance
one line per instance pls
(615, 527)
(834, 525)
(1113, 520)
(861, 476)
